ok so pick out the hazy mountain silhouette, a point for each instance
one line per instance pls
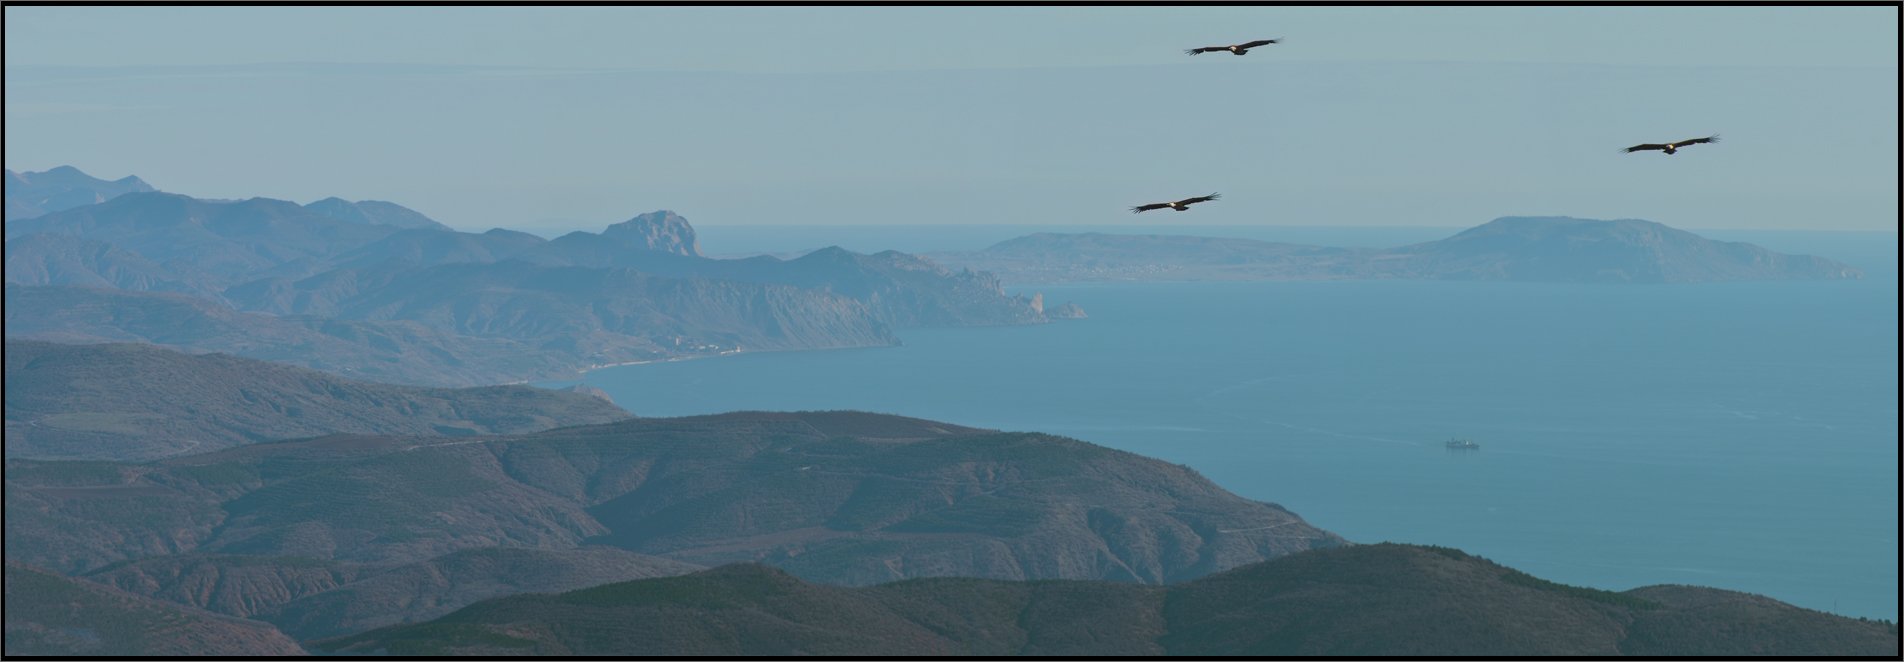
(395, 352)
(31, 194)
(374, 212)
(55, 259)
(638, 291)
(428, 248)
(229, 241)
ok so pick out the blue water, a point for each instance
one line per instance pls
(1743, 436)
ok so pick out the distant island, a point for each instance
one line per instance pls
(1527, 249)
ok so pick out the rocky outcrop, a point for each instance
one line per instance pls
(1067, 311)
(659, 231)
(590, 391)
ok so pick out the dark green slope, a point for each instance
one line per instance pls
(242, 586)
(309, 598)
(138, 402)
(428, 589)
(1378, 600)
(1392, 600)
(1704, 621)
(756, 610)
(840, 497)
(51, 615)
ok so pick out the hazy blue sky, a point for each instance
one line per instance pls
(547, 117)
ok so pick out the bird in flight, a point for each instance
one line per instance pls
(1672, 147)
(1179, 205)
(1238, 49)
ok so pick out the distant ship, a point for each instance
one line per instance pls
(1462, 445)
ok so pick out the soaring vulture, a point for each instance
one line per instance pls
(1238, 49)
(1672, 147)
(1179, 205)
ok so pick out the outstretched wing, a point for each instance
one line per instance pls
(1642, 148)
(1139, 209)
(1259, 42)
(1205, 49)
(1708, 139)
(1192, 201)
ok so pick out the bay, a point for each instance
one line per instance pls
(1736, 435)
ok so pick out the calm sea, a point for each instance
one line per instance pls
(1742, 436)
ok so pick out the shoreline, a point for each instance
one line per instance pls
(580, 375)
(602, 366)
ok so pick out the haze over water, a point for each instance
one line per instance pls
(1740, 435)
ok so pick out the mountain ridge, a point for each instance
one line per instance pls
(307, 598)
(231, 241)
(374, 212)
(395, 352)
(843, 497)
(350, 276)
(142, 402)
(31, 194)
(47, 614)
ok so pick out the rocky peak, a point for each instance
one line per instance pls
(1066, 311)
(662, 231)
(591, 391)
